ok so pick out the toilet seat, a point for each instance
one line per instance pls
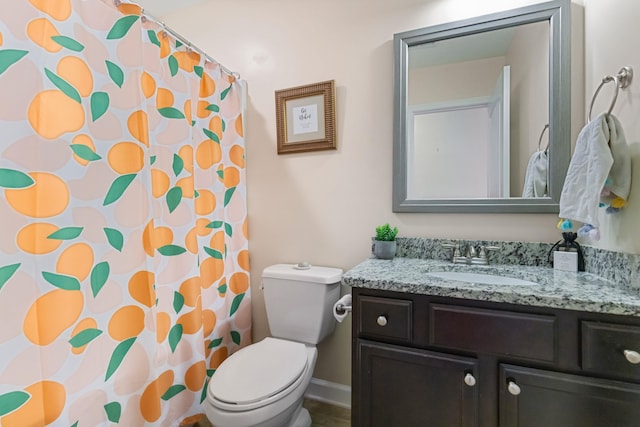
(258, 374)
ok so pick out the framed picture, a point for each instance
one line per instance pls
(305, 118)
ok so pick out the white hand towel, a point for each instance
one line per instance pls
(535, 178)
(619, 179)
(590, 166)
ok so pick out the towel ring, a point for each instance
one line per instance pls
(540, 140)
(621, 80)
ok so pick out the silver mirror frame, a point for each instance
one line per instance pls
(558, 14)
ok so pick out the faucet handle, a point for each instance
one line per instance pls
(471, 252)
(455, 247)
(485, 249)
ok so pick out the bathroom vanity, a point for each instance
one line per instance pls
(559, 350)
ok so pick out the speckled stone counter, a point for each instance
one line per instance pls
(574, 291)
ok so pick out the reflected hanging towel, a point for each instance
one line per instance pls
(601, 157)
(535, 178)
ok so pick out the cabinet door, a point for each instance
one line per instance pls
(531, 397)
(406, 387)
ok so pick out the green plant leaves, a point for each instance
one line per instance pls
(84, 152)
(115, 72)
(174, 197)
(115, 238)
(6, 272)
(114, 411)
(171, 113)
(175, 334)
(213, 107)
(118, 355)
(8, 57)
(99, 276)
(10, 178)
(67, 233)
(84, 337)
(235, 304)
(62, 84)
(99, 104)
(222, 289)
(62, 281)
(69, 43)
(172, 391)
(11, 401)
(171, 250)
(121, 27)
(118, 188)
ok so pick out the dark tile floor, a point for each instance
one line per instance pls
(322, 415)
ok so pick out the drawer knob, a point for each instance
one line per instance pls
(513, 388)
(382, 320)
(632, 356)
(470, 380)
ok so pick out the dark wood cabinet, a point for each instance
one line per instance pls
(420, 360)
(399, 387)
(533, 398)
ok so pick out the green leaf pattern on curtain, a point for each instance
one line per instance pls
(124, 245)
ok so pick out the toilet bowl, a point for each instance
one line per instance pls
(263, 384)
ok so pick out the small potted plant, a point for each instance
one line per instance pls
(384, 245)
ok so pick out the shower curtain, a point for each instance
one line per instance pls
(124, 272)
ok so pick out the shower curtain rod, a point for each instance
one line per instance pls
(186, 42)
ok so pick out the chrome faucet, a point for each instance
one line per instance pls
(471, 254)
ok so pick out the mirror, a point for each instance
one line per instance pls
(482, 113)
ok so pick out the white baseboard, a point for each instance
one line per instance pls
(328, 392)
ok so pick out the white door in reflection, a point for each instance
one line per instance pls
(470, 134)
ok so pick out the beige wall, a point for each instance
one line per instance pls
(323, 207)
(529, 97)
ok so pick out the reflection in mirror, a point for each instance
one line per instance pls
(467, 98)
(473, 99)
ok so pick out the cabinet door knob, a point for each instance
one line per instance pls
(382, 320)
(469, 380)
(632, 356)
(513, 388)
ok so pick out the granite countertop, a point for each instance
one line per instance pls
(552, 288)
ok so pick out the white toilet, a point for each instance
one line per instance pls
(264, 383)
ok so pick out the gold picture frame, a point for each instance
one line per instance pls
(305, 118)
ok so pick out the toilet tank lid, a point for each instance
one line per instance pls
(312, 273)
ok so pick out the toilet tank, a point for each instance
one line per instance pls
(299, 301)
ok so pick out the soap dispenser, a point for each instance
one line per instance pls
(568, 244)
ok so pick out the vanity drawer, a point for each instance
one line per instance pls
(611, 349)
(518, 335)
(385, 318)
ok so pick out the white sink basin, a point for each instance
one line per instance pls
(480, 278)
